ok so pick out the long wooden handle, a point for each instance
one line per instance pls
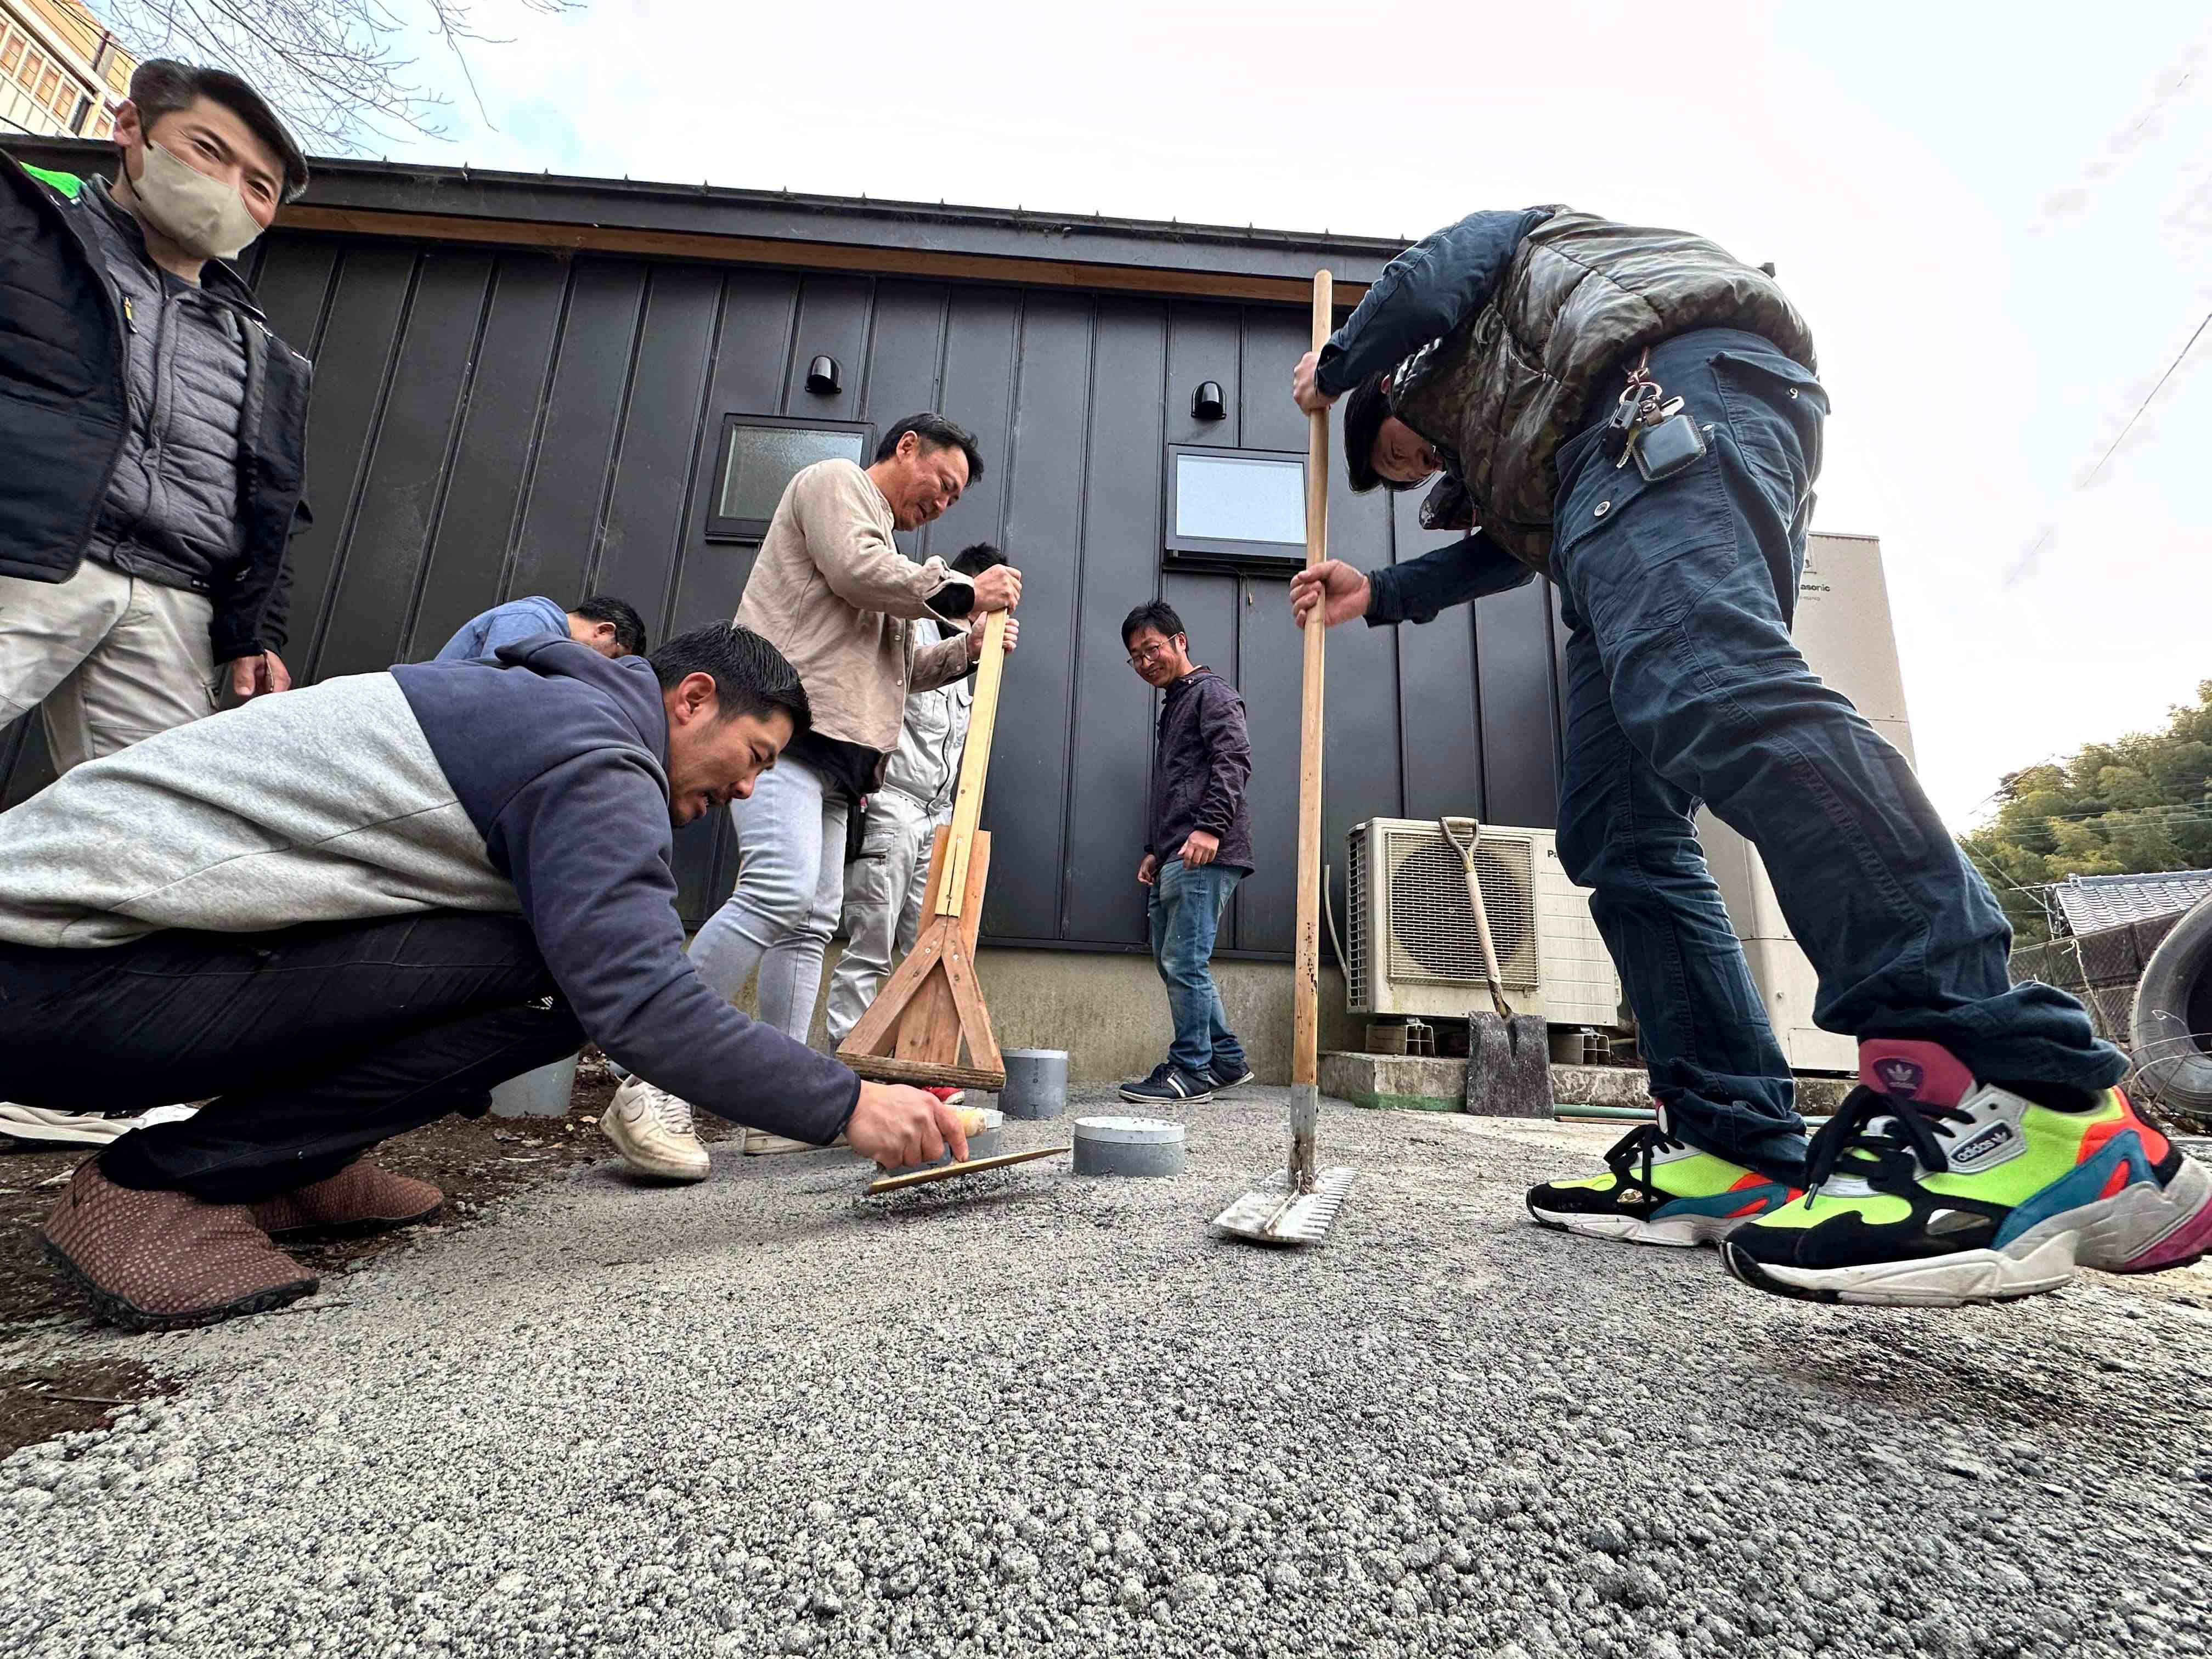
(946, 1171)
(1305, 974)
(974, 765)
(1474, 903)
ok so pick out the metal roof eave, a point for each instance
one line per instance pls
(596, 211)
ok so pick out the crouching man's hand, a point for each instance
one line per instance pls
(896, 1126)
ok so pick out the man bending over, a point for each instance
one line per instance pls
(609, 626)
(338, 953)
(1632, 412)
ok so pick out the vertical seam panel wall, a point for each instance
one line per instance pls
(1063, 919)
(621, 434)
(705, 430)
(937, 394)
(1012, 412)
(330, 299)
(536, 438)
(1474, 701)
(342, 544)
(460, 421)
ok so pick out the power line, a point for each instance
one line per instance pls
(2026, 561)
(2146, 403)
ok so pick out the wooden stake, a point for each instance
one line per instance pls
(1306, 971)
(914, 1030)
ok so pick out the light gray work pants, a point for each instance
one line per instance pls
(106, 659)
(791, 867)
(883, 890)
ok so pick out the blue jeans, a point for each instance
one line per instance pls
(1185, 910)
(1682, 685)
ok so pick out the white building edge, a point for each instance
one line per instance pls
(1844, 629)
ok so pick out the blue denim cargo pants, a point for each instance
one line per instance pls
(1682, 685)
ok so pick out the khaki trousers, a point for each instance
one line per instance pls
(106, 658)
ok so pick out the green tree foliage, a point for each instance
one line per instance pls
(2139, 804)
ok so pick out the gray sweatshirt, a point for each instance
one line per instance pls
(536, 787)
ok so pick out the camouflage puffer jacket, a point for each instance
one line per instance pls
(1545, 309)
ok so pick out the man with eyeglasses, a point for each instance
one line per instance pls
(1198, 846)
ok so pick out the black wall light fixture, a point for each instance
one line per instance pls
(822, 376)
(1207, 404)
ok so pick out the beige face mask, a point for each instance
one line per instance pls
(202, 216)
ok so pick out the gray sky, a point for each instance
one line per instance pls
(1997, 220)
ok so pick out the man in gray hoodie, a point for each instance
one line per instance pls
(349, 911)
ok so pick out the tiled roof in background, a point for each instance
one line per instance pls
(2089, 903)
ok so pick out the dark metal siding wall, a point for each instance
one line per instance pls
(490, 424)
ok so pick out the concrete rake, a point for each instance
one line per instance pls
(1298, 1206)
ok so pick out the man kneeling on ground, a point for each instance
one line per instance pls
(347, 912)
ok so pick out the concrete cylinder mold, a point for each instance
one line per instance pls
(1036, 1083)
(541, 1093)
(1128, 1146)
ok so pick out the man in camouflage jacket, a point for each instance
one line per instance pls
(1986, 1153)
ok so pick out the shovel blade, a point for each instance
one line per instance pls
(1274, 1214)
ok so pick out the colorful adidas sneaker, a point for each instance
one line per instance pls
(1929, 1189)
(1658, 1190)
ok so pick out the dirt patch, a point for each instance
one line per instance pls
(475, 1161)
(38, 1402)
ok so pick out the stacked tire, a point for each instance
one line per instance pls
(2173, 1027)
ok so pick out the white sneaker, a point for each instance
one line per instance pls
(652, 1129)
(34, 1123)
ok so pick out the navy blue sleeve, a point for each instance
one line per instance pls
(587, 845)
(1422, 294)
(1416, 590)
(1228, 756)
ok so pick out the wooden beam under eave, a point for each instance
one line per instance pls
(808, 256)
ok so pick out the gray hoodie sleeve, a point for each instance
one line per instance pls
(586, 846)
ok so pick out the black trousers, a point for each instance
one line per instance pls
(316, 1041)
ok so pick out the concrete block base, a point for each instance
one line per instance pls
(1401, 1083)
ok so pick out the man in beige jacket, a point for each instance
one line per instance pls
(832, 592)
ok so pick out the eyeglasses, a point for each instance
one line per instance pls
(1146, 656)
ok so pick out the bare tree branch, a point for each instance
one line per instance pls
(332, 67)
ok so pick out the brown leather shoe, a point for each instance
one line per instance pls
(359, 1199)
(161, 1261)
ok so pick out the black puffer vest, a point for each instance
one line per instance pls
(1501, 392)
(64, 411)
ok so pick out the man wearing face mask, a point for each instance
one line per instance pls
(154, 427)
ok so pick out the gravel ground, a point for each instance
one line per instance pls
(769, 1415)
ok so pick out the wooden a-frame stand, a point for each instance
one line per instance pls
(932, 1007)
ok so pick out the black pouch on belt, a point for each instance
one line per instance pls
(856, 829)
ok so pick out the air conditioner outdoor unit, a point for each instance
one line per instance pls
(1410, 936)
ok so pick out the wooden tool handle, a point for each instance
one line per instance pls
(1305, 1013)
(1467, 850)
(974, 765)
(946, 1171)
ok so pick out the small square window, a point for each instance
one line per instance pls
(1235, 509)
(760, 454)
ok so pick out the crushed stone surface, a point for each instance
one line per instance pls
(1030, 1413)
